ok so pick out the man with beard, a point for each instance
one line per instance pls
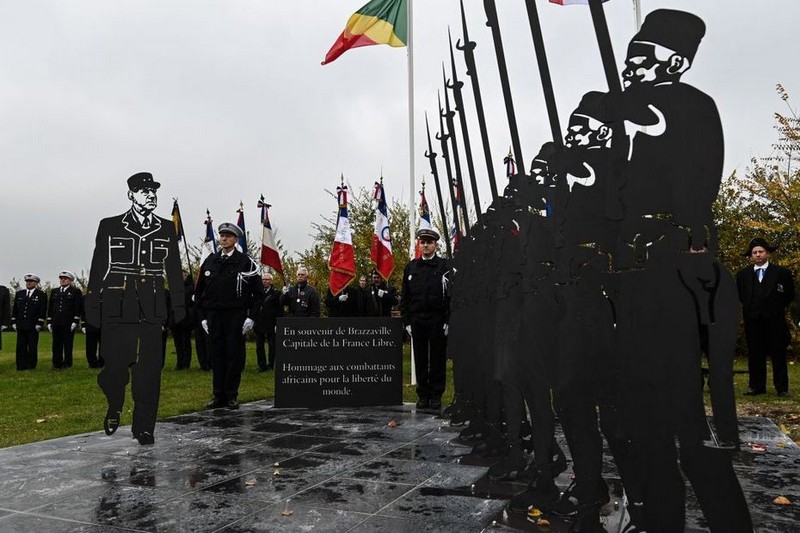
(671, 172)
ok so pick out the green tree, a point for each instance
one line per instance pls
(765, 201)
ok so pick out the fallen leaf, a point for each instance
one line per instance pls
(40, 420)
(392, 423)
(276, 465)
(276, 473)
(784, 429)
(287, 513)
(533, 512)
(543, 522)
(782, 500)
(249, 482)
(758, 447)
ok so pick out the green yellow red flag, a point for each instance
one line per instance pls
(377, 22)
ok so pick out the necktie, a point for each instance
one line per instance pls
(30, 293)
(146, 224)
(760, 274)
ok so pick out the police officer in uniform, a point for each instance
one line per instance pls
(127, 298)
(27, 319)
(64, 312)
(228, 295)
(424, 305)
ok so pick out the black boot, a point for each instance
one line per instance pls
(511, 466)
(541, 493)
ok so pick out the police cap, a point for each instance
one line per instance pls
(427, 234)
(142, 180)
(66, 274)
(231, 229)
(32, 277)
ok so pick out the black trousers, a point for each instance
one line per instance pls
(92, 348)
(430, 344)
(261, 356)
(132, 352)
(766, 338)
(63, 339)
(182, 336)
(27, 349)
(227, 350)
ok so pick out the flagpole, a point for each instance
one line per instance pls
(412, 187)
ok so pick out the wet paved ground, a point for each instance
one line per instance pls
(264, 469)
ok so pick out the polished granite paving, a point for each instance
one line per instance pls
(363, 470)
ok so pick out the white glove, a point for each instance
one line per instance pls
(83, 330)
(247, 326)
(381, 293)
(204, 324)
(38, 328)
(285, 289)
(14, 327)
(446, 329)
(408, 330)
(50, 328)
(342, 297)
(73, 327)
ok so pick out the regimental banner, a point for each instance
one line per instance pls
(338, 362)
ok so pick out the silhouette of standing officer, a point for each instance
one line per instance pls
(127, 299)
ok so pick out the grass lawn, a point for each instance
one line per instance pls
(44, 404)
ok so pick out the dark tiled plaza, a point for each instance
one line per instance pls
(265, 469)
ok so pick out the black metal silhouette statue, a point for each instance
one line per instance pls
(606, 294)
(127, 299)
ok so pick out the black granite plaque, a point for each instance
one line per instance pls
(338, 362)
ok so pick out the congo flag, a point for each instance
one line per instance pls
(378, 22)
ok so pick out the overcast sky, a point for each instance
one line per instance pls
(223, 100)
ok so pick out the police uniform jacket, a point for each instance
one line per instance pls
(126, 280)
(228, 283)
(267, 316)
(64, 307)
(425, 289)
(29, 312)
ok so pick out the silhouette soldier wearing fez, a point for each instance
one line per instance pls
(27, 319)
(671, 173)
(228, 295)
(127, 299)
(765, 290)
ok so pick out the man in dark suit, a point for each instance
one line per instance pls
(64, 312)
(127, 299)
(182, 331)
(380, 298)
(228, 296)
(765, 290)
(266, 321)
(301, 299)
(27, 319)
(5, 311)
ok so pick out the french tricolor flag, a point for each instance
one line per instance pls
(269, 249)
(342, 262)
(381, 250)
